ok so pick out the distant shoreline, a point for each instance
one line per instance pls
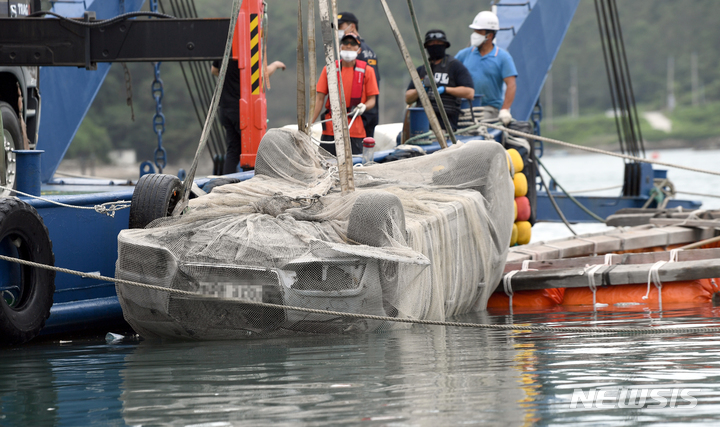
(665, 144)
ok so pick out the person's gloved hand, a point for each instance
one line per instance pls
(505, 116)
(360, 109)
(441, 89)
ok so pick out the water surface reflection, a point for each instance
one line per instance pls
(421, 376)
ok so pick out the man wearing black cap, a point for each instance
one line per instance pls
(348, 23)
(453, 80)
(360, 88)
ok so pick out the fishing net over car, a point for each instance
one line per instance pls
(421, 238)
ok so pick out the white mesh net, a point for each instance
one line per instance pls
(421, 238)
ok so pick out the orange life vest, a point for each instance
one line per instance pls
(357, 84)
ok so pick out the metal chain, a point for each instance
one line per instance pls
(159, 117)
(511, 327)
(128, 89)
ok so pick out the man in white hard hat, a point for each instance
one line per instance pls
(490, 66)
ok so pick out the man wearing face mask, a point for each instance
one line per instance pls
(348, 23)
(490, 66)
(453, 80)
(361, 92)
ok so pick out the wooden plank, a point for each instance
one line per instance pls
(684, 235)
(713, 214)
(630, 217)
(614, 275)
(617, 240)
(642, 258)
(515, 257)
(686, 222)
(628, 220)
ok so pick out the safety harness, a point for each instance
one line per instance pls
(358, 82)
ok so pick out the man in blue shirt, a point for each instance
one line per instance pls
(490, 66)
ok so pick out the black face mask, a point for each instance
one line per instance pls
(436, 51)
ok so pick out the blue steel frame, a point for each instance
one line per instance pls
(67, 93)
(533, 35)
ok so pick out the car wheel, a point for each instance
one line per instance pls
(155, 196)
(13, 141)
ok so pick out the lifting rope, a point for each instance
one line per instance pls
(511, 327)
(618, 74)
(108, 208)
(201, 88)
(530, 137)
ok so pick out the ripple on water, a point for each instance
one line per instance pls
(422, 376)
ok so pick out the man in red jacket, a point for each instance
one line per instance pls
(361, 90)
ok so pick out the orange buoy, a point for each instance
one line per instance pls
(688, 291)
(534, 298)
(516, 159)
(524, 232)
(516, 209)
(521, 185)
(514, 235)
(523, 208)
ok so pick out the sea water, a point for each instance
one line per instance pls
(421, 376)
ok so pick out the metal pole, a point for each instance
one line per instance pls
(337, 104)
(313, 60)
(343, 102)
(301, 119)
(428, 72)
(424, 100)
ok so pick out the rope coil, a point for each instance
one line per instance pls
(654, 276)
(590, 271)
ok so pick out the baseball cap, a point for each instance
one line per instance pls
(351, 36)
(347, 17)
(433, 35)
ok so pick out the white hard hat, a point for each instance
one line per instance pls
(485, 20)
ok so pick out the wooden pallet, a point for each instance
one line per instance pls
(566, 263)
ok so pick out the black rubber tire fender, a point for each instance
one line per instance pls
(23, 235)
(11, 123)
(371, 223)
(155, 196)
(218, 182)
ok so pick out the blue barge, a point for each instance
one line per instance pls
(84, 240)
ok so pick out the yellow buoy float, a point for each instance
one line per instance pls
(524, 232)
(521, 184)
(516, 159)
(514, 235)
(521, 230)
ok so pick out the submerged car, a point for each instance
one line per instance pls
(419, 238)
